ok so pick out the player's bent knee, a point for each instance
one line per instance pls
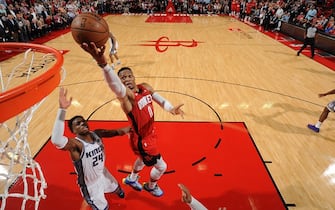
(161, 165)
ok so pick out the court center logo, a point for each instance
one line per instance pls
(163, 43)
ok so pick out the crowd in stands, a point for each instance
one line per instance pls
(270, 15)
(26, 20)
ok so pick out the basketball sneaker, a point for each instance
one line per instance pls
(118, 62)
(313, 128)
(157, 191)
(134, 184)
(119, 191)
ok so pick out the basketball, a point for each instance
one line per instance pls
(90, 27)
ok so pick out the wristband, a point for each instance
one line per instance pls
(102, 65)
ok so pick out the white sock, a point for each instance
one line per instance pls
(133, 176)
(152, 185)
(318, 124)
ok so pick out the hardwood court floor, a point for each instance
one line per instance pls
(234, 72)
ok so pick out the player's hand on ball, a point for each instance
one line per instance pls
(96, 52)
(92, 49)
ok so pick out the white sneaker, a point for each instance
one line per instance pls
(157, 191)
(118, 62)
(134, 184)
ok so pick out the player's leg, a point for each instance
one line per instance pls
(111, 57)
(118, 62)
(111, 185)
(85, 206)
(95, 195)
(302, 48)
(155, 174)
(312, 48)
(132, 179)
(324, 115)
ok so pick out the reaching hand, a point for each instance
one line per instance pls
(125, 130)
(97, 53)
(177, 110)
(64, 103)
(186, 196)
(322, 94)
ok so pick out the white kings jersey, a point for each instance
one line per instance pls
(91, 164)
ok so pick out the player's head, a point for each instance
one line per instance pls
(78, 125)
(127, 77)
(124, 69)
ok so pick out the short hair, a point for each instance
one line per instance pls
(123, 69)
(69, 123)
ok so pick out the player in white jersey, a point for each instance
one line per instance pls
(330, 107)
(114, 45)
(88, 155)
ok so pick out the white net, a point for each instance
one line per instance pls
(18, 164)
(21, 176)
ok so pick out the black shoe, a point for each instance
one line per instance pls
(120, 192)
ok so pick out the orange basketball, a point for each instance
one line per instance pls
(90, 27)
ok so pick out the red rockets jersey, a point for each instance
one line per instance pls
(142, 115)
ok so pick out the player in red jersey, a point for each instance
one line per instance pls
(136, 102)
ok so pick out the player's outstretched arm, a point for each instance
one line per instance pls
(64, 103)
(187, 198)
(327, 93)
(57, 137)
(166, 105)
(112, 133)
(111, 78)
(177, 110)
